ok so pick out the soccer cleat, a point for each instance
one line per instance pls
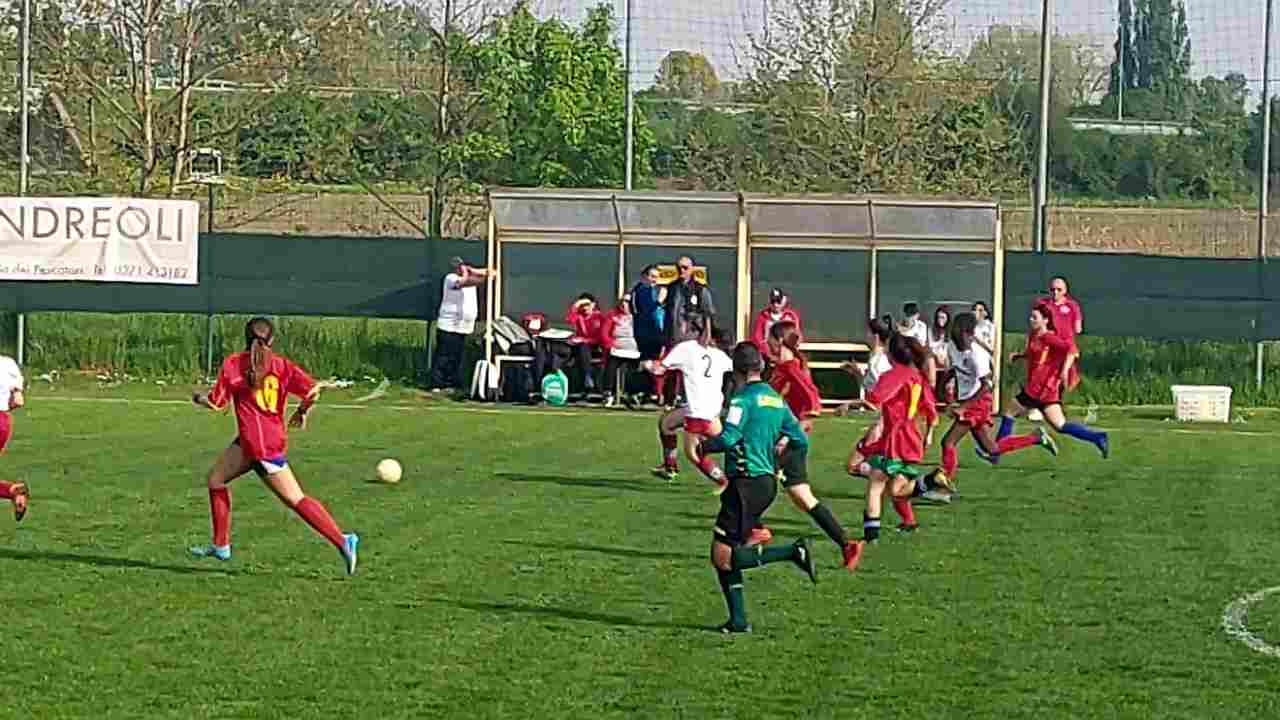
(760, 536)
(1046, 441)
(1104, 446)
(938, 480)
(610, 400)
(665, 473)
(804, 560)
(938, 496)
(21, 496)
(853, 554)
(905, 528)
(349, 549)
(730, 628)
(982, 455)
(213, 551)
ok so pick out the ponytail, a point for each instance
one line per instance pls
(786, 334)
(259, 333)
(881, 327)
(904, 350)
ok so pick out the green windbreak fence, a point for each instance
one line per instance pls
(954, 280)
(283, 275)
(1153, 297)
(546, 278)
(828, 286)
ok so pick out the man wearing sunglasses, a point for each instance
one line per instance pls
(686, 297)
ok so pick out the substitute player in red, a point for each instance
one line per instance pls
(972, 366)
(1047, 355)
(258, 383)
(12, 397)
(901, 394)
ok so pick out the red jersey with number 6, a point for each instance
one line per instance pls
(1046, 354)
(260, 412)
(902, 394)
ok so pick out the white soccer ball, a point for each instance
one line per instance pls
(389, 471)
(1035, 416)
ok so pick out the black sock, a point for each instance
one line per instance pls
(823, 518)
(870, 528)
(746, 557)
(731, 586)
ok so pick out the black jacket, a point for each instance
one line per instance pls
(682, 299)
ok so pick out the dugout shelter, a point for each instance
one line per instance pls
(841, 259)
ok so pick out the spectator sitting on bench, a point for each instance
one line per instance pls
(587, 321)
(619, 340)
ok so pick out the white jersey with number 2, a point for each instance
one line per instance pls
(10, 381)
(703, 369)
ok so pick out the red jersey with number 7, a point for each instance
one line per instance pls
(902, 394)
(1046, 354)
(260, 412)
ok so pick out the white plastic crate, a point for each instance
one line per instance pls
(1202, 403)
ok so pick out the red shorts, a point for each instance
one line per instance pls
(976, 413)
(872, 443)
(696, 426)
(6, 429)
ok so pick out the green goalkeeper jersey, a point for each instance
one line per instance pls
(757, 418)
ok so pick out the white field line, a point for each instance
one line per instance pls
(1236, 615)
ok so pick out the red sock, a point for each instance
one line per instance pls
(710, 469)
(6, 490)
(903, 507)
(1016, 442)
(320, 520)
(950, 460)
(669, 444)
(220, 512)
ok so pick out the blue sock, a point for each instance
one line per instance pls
(1006, 427)
(1080, 432)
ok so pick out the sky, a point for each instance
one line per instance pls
(1226, 35)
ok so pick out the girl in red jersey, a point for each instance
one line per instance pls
(12, 397)
(258, 383)
(878, 333)
(790, 376)
(901, 394)
(1048, 356)
(971, 364)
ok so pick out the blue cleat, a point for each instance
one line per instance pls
(1104, 446)
(982, 455)
(349, 551)
(222, 553)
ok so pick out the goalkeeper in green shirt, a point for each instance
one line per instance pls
(757, 418)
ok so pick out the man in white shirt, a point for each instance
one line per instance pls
(456, 319)
(12, 397)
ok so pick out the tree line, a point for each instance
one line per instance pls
(449, 96)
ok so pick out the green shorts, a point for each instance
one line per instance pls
(893, 468)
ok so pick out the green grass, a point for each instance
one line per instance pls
(528, 566)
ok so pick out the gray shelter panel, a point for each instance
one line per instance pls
(922, 222)
(722, 273)
(1147, 296)
(593, 214)
(642, 216)
(547, 278)
(800, 220)
(828, 287)
(956, 280)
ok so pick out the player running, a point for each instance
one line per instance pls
(791, 379)
(12, 397)
(878, 333)
(756, 419)
(901, 394)
(971, 363)
(259, 382)
(1048, 356)
(703, 366)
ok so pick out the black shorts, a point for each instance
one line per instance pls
(742, 506)
(1031, 403)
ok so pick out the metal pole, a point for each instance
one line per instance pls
(24, 150)
(1042, 165)
(1124, 51)
(209, 318)
(1264, 173)
(630, 101)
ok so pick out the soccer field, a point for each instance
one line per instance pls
(528, 566)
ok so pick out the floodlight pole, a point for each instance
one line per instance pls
(1042, 165)
(24, 143)
(208, 320)
(630, 102)
(1264, 173)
